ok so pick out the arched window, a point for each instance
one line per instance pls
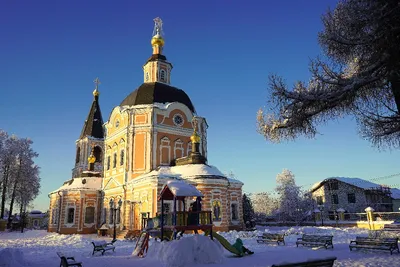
(178, 149)
(115, 160)
(78, 155)
(97, 153)
(216, 209)
(162, 75)
(189, 148)
(122, 157)
(108, 162)
(165, 151)
(89, 215)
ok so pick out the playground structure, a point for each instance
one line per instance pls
(181, 221)
(166, 226)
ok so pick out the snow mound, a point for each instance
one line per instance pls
(197, 249)
(12, 257)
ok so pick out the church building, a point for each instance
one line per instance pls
(154, 135)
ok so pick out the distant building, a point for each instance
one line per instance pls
(37, 220)
(354, 195)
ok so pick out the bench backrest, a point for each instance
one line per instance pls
(327, 262)
(99, 243)
(317, 237)
(391, 226)
(361, 239)
(273, 236)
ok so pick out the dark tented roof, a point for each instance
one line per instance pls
(94, 123)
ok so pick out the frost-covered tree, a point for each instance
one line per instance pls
(8, 161)
(25, 176)
(248, 211)
(294, 203)
(264, 204)
(19, 176)
(359, 76)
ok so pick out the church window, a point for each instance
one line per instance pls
(178, 149)
(117, 124)
(178, 120)
(147, 76)
(108, 162)
(89, 215)
(165, 157)
(122, 156)
(189, 148)
(97, 153)
(111, 218)
(78, 155)
(104, 216)
(70, 215)
(162, 75)
(117, 216)
(234, 211)
(216, 206)
(115, 160)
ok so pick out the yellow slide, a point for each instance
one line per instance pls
(224, 243)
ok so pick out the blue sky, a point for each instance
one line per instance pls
(222, 52)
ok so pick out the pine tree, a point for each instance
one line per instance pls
(248, 211)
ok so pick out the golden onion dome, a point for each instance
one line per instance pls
(157, 40)
(195, 138)
(96, 92)
(91, 159)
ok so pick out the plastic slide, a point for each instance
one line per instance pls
(224, 243)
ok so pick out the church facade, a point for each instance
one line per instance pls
(152, 136)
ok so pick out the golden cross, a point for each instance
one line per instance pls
(97, 82)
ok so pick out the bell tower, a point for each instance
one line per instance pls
(91, 139)
(157, 68)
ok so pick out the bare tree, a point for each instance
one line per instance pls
(360, 76)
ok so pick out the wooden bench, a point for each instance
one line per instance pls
(68, 261)
(327, 262)
(102, 246)
(390, 244)
(391, 227)
(315, 240)
(270, 237)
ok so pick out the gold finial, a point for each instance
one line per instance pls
(92, 158)
(195, 138)
(157, 33)
(96, 90)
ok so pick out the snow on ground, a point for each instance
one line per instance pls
(38, 248)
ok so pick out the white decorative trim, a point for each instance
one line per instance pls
(178, 145)
(168, 146)
(68, 206)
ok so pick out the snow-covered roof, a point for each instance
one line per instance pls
(182, 189)
(189, 171)
(358, 182)
(395, 193)
(84, 183)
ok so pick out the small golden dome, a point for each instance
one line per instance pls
(195, 138)
(91, 159)
(157, 40)
(96, 92)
